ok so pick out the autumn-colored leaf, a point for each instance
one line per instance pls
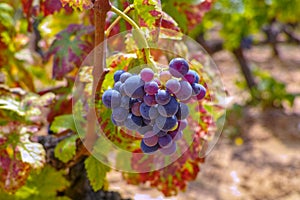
(69, 49)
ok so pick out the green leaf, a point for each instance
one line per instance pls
(96, 172)
(65, 150)
(81, 4)
(32, 152)
(145, 10)
(43, 184)
(63, 122)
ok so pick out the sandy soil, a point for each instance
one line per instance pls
(267, 165)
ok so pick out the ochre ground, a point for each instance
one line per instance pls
(267, 165)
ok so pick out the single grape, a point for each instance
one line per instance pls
(137, 120)
(166, 123)
(130, 124)
(117, 123)
(165, 141)
(169, 109)
(196, 88)
(135, 109)
(150, 139)
(147, 74)
(153, 112)
(197, 78)
(149, 100)
(162, 97)
(117, 86)
(117, 75)
(176, 135)
(125, 101)
(164, 76)
(147, 149)
(182, 124)
(191, 76)
(201, 94)
(144, 129)
(185, 91)
(151, 88)
(169, 150)
(173, 86)
(125, 76)
(183, 111)
(120, 114)
(122, 91)
(144, 110)
(134, 87)
(111, 98)
(178, 67)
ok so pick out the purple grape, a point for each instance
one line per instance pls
(135, 109)
(165, 141)
(183, 111)
(170, 150)
(153, 112)
(150, 139)
(116, 123)
(185, 91)
(164, 76)
(147, 74)
(111, 98)
(151, 88)
(162, 97)
(191, 76)
(137, 120)
(117, 75)
(149, 100)
(147, 149)
(130, 124)
(173, 86)
(125, 76)
(196, 88)
(122, 91)
(120, 114)
(178, 67)
(182, 124)
(134, 87)
(161, 133)
(146, 121)
(166, 123)
(125, 102)
(201, 94)
(197, 78)
(169, 109)
(144, 110)
(144, 129)
(117, 86)
(176, 135)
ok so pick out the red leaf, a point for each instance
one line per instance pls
(13, 172)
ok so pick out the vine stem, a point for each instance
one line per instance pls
(114, 23)
(101, 7)
(142, 42)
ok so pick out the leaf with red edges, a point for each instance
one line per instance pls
(13, 172)
(78, 4)
(69, 49)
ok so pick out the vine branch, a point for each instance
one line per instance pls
(101, 7)
(114, 23)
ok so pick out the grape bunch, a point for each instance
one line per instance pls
(155, 104)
